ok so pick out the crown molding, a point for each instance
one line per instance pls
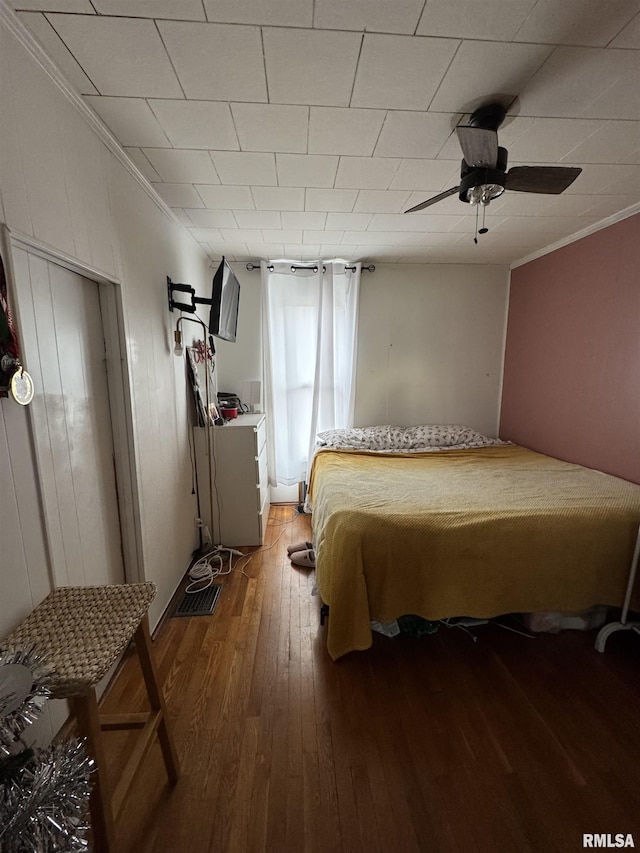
(592, 229)
(12, 22)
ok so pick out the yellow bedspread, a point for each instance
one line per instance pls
(477, 532)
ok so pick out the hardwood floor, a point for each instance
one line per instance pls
(438, 744)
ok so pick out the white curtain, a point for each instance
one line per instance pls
(310, 327)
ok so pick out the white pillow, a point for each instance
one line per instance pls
(388, 438)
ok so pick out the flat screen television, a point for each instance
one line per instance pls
(225, 297)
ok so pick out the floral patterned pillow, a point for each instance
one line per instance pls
(388, 438)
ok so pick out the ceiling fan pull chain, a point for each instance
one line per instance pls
(484, 229)
(475, 239)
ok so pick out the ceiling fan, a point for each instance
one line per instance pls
(484, 175)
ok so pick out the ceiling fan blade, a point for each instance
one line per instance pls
(479, 145)
(433, 200)
(541, 179)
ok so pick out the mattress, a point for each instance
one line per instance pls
(477, 532)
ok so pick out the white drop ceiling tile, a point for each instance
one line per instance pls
(629, 37)
(184, 10)
(303, 221)
(381, 254)
(240, 167)
(282, 235)
(374, 173)
(608, 205)
(182, 217)
(300, 252)
(179, 195)
(258, 219)
(616, 142)
(131, 121)
(205, 235)
(401, 72)
(381, 201)
(343, 130)
(373, 238)
(319, 236)
(337, 250)
(203, 218)
(348, 221)
(574, 78)
(548, 140)
(196, 124)
(180, 166)
(622, 98)
(271, 127)
(628, 184)
(241, 235)
(278, 198)
(225, 198)
(435, 238)
(568, 205)
(81, 7)
(216, 62)
(480, 67)
(492, 19)
(576, 21)
(265, 251)
(306, 170)
(340, 201)
(401, 16)
(413, 222)
(533, 225)
(595, 179)
(467, 224)
(310, 66)
(519, 204)
(230, 251)
(56, 49)
(413, 134)
(121, 56)
(436, 175)
(275, 13)
(138, 158)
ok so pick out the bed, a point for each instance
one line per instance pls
(442, 522)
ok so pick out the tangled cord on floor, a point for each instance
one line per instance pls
(212, 565)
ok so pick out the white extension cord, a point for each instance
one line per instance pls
(204, 571)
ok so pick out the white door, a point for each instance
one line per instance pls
(64, 349)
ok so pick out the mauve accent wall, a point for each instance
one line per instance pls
(572, 361)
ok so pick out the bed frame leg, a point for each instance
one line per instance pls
(324, 613)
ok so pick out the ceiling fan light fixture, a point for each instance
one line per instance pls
(484, 193)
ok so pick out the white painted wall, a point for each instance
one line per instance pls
(430, 345)
(62, 185)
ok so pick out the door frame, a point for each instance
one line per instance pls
(119, 389)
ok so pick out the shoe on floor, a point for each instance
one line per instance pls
(306, 558)
(299, 546)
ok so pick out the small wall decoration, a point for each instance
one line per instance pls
(14, 379)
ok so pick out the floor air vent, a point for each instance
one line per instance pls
(201, 603)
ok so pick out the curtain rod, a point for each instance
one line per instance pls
(294, 267)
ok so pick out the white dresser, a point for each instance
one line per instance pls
(240, 482)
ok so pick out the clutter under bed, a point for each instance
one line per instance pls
(442, 522)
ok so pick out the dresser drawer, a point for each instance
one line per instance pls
(263, 477)
(261, 435)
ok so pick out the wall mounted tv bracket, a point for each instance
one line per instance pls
(184, 288)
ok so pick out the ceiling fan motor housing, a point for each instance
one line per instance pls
(475, 176)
